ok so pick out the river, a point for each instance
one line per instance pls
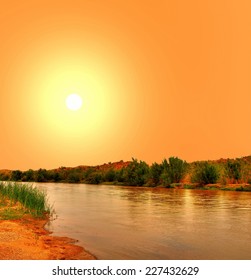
(114, 222)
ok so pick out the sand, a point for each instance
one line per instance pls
(26, 239)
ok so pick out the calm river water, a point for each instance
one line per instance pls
(115, 222)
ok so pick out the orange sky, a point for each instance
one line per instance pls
(157, 78)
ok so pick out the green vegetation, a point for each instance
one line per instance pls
(170, 173)
(155, 174)
(206, 173)
(11, 213)
(173, 171)
(244, 189)
(136, 173)
(32, 199)
(233, 170)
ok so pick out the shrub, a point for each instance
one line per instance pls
(120, 175)
(41, 175)
(173, 170)
(4, 177)
(110, 175)
(94, 178)
(233, 169)
(74, 177)
(28, 176)
(165, 179)
(205, 173)
(155, 174)
(16, 175)
(136, 173)
(176, 169)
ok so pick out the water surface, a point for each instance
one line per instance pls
(116, 222)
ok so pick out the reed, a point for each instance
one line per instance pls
(31, 198)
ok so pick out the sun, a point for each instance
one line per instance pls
(73, 102)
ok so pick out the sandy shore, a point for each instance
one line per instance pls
(26, 239)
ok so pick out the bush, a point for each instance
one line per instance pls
(16, 175)
(136, 173)
(5, 177)
(74, 177)
(155, 174)
(110, 175)
(233, 169)
(41, 175)
(28, 175)
(174, 170)
(120, 175)
(94, 178)
(165, 179)
(205, 173)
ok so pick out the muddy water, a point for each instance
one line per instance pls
(143, 223)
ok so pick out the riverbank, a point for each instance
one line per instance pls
(26, 239)
(227, 187)
(24, 212)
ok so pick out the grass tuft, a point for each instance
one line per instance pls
(31, 198)
(11, 214)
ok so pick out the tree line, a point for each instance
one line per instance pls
(139, 173)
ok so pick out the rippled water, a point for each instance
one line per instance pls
(148, 223)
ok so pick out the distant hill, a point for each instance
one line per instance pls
(103, 167)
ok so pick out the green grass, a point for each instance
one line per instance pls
(31, 198)
(2, 201)
(11, 214)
